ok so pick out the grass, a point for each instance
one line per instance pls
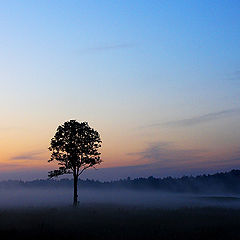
(102, 221)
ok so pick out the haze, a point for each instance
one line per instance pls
(22, 198)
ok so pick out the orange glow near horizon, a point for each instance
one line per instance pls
(118, 149)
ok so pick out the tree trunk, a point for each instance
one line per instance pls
(75, 191)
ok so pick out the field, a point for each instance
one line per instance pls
(48, 214)
(112, 221)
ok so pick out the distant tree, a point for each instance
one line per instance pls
(75, 148)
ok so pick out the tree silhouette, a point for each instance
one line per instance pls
(75, 148)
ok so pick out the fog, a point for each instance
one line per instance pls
(17, 198)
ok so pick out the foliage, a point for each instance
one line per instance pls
(75, 148)
(224, 182)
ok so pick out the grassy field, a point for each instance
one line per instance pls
(103, 221)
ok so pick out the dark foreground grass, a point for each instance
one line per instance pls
(120, 222)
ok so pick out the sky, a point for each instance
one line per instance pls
(159, 80)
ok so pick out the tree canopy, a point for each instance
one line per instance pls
(75, 148)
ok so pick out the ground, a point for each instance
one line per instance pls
(104, 221)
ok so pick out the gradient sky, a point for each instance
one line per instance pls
(159, 80)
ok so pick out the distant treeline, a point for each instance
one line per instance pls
(227, 182)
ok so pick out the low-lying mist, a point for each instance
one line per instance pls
(50, 197)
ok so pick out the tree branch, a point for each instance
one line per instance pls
(83, 170)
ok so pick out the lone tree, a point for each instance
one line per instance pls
(75, 148)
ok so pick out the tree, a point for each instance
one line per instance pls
(75, 148)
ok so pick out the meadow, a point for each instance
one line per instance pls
(104, 215)
(105, 221)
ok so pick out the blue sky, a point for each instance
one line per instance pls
(127, 67)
